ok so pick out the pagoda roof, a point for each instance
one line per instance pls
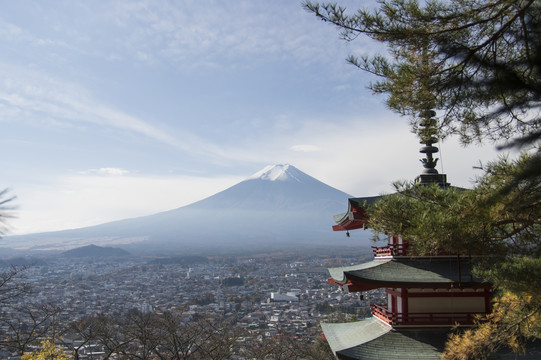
(371, 339)
(407, 272)
(341, 336)
(356, 216)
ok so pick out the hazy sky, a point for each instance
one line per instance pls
(115, 109)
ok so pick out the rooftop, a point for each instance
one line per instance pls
(370, 339)
(409, 272)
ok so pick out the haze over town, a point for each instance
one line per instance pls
(111, 110)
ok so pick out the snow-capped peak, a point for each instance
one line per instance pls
(279, 172)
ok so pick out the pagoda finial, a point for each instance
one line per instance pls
(428, 137)
(427, 133)
(422, 107)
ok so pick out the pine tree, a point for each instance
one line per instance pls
(470, 68)
(486, 54)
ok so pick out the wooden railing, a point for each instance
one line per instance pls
(416, 319)
(390, 250)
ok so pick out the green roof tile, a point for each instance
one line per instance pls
(399, 344)
(345, 335)
(409, 272)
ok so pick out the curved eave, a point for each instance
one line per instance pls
(342, 336)
(399, 344)
(349, 225)
(370, 339)
(356, 285)
(406, 273)
(338, 273)
(356, 216)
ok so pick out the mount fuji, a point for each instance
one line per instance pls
(279, 206)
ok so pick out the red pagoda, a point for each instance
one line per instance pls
(425, 296)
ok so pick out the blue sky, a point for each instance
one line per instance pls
(117, 109)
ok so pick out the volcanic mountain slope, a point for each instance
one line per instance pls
(279, 205)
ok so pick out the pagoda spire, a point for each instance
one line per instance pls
(428, 124)
(428, 137)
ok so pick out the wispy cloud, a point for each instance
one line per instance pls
(304, 148)
(106, 171)
(189, 34)
(26, 95)
(9, 31)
